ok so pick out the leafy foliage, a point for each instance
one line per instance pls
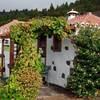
(22, 85)
(28, 55)
(85, 80)
(25, 79)
(51, 26)
(61, 10)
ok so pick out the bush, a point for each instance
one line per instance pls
(85, 80)
(30, 82)
(25, 79)
(24, 84)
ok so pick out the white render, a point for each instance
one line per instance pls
(59, 59)
(72, 14)
(6, 57)
(0, 46)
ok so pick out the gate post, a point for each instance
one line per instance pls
(11, 53)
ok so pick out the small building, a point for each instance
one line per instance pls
(7, 49)
(58, 56)
(86, 19)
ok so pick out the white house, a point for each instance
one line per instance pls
(7, 49)
(87, 19)
(58, 56)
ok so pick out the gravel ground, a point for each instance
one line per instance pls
(52, 92)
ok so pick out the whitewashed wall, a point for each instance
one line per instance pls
(6, 56)
(58, 60)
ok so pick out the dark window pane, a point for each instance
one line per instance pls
(68, 62)
(42, 45)
(63, 75)
(51, 47)
(56, 44)
(6, 41)
(54, 68)
(66, 47)
(52, 62)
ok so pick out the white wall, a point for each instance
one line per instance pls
(59, 58)
(7, 56)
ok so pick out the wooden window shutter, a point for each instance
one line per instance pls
(56, 44)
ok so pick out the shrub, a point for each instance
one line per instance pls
(30, 82)
(85, 79)
(25, 79)
(23, 84)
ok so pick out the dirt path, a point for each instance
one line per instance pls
(52, 92)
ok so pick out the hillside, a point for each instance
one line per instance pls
(81, 6)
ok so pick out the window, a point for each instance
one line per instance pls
(52, 62)
(66, 47)
(54, 68)
(51, 47)
(42, 45)
(56, 44)
(63, 75)
(68, 62)
(41, 41)
(6, 41)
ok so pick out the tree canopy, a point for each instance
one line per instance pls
(61, 10)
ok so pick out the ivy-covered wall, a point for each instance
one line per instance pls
(26, 75)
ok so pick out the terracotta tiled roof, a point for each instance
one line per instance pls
(5, 29)
(88, 18)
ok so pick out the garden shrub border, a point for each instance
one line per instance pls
(85, 79)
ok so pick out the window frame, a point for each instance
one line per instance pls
(57, 44)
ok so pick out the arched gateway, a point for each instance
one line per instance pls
(57, 55)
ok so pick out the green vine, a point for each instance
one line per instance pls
(51, 26)
(25, 79)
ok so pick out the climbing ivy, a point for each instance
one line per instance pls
(26, 74)
(25, 79)
(51, 26)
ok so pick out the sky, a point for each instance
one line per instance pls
(29, 4)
